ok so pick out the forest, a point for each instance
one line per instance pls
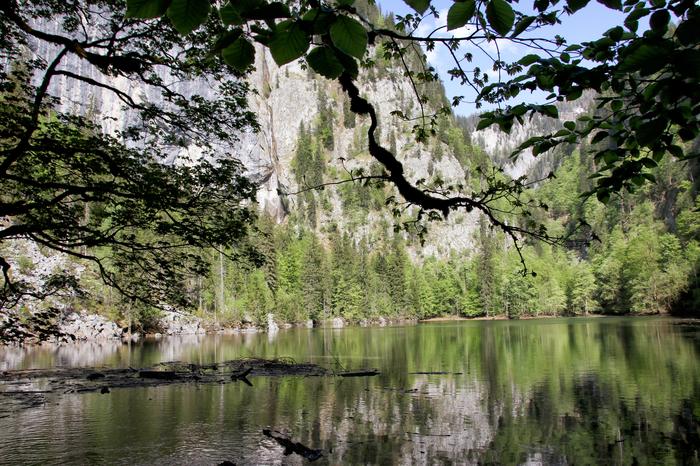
(611, 228)
(644, 259)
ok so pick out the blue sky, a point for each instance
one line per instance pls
(588, 23)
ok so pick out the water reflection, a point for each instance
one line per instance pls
(595, 391)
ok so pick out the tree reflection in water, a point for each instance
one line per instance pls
(583, 391)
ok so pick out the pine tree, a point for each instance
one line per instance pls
(487, 284)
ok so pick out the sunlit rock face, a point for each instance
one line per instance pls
(289, 97)
(84, 326)
(106, 107)
(284, 99)
(176, 323)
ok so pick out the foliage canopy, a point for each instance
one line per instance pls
(135, 197)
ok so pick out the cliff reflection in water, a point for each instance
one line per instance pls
(590, 391)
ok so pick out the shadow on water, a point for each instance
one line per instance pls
(559, 391)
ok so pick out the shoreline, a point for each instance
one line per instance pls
(213, 328)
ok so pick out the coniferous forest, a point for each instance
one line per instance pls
(594, 227)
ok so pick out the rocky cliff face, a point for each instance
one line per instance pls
(285, 99)
(500, 145)
(290, 97)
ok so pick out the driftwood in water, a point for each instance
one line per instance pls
(161, 375)
(291, 446)
(435, 373)
(243, 376)
(370, 373)
(27, 388)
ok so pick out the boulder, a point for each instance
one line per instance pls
(84, 326)
(337, 322)
(176, 323)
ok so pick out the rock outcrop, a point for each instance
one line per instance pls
(84, 326)
(176, 323)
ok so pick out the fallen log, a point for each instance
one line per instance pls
(15, 388)
(160, 375)
(370, 373)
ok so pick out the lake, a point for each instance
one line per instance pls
(553, 391)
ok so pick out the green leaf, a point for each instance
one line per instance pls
(675, 150)
(632, 25)
(638, 180)
(240, 54)
(575, 93)
(575, 5)
(615, 33)
(650, 131)
(659, 20)
(599, 136)
(229, 14)
(549, 110)
(146, 9)
(646, 58)
(324, 61)
(500, 15)
(612, 4)
(528, 59)
(318, 20)
(521, 25)
(460, 13)
(266, 11)
(349, 36)
(687, 134)
(187, 15)
(632, 19)
(688, 61)
(570, 125)
(603, 196)
(688, 31)
(419, 5)
(484, 123)
(610, 157)
(226, 39)
(288, 42)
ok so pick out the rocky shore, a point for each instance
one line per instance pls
(83, 326)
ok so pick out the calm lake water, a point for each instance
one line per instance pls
(556, 391)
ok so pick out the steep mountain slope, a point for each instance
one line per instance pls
(290, 100)
(286, 100)
(500, 145)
